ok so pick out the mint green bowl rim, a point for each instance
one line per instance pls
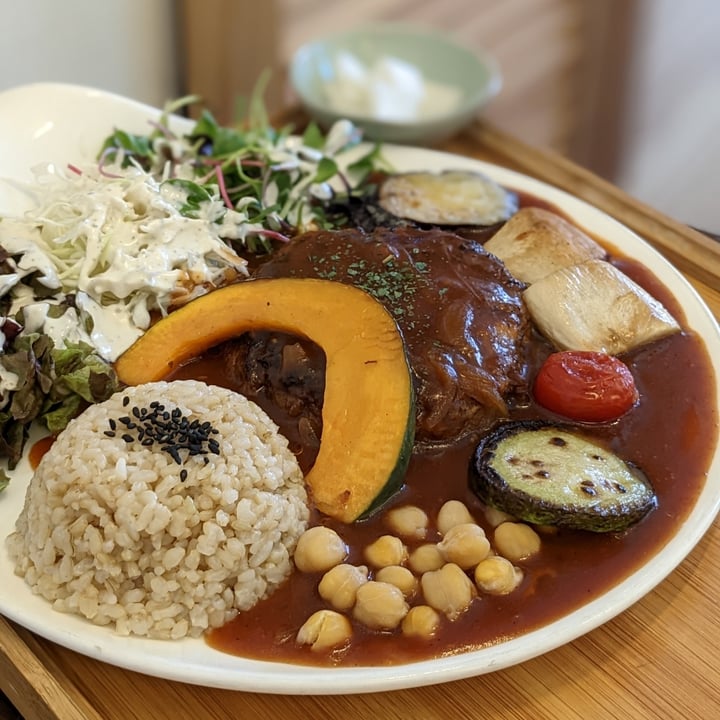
(306, 80)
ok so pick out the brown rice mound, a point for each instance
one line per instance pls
(115, 529)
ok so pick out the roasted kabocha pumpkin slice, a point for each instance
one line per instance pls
(554, 475)
(368, 406)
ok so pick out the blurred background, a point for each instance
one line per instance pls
(627, 88)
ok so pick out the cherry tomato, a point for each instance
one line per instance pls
(585, 386)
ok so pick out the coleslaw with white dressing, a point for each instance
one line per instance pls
(126, 242)
(119, 245)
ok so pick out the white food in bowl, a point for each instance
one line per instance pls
(390, 89)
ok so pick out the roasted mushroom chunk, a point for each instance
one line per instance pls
(550, 474)
(594, 306)
(536, 242)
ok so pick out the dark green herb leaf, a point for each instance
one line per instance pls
(206, 126)
(313, 137)
(195, 194)
(137, 145)
(327, 168)
(224, 141)
(368, 162)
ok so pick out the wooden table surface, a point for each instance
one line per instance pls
(659, 659)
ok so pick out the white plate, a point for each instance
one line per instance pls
(61, 123)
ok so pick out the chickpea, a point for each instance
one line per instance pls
(408, 521)
(422, 621)
(425, 558)
(516, 541)
(495, 516)
(380, 605)
(452, 513)
(497, 576)
(339, 585)
(465, 545)
(324, 630)
(318, 549)
(449, 590)
(386, 550)
(400, 577)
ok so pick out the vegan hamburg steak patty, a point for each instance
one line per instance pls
(460, 312)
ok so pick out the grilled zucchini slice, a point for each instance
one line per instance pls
(552, 474)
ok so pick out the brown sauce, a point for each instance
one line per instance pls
(670, 435)
(38, 450)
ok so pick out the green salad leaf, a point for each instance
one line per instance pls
(137, 146)
(54, 386)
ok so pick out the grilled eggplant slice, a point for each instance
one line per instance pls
(552, 474)
(449, 198)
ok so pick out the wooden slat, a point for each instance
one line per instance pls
(226, 45)
(34, 684)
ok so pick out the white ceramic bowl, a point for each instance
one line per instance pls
(450, 69)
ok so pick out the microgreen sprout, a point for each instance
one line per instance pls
(275, 182)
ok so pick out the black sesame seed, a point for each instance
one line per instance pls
(172, 431)
(112, 424)
(109, 433)
(125, 401)
(183, 475)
